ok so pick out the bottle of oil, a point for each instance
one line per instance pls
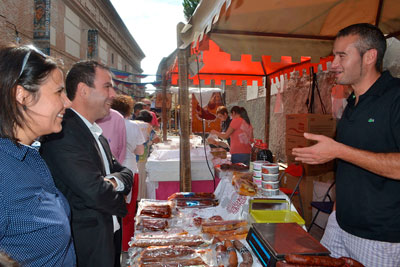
(255, 149)
(264, 153)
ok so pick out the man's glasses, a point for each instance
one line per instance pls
(31, 48)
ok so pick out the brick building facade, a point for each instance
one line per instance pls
(76, 30)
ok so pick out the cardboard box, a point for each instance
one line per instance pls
(297, 124)
(293, 141)
(299, 141)
(311, 170)
(306, 191)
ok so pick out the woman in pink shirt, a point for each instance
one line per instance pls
(240, 132)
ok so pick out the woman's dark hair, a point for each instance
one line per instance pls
(145, 116)
(242, 113)
(235, 109)
(82, 71)
(123, 104)
(30, 76)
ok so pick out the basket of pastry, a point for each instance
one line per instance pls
(243, 184)
(193, 200)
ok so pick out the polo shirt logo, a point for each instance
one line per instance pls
(371, 120)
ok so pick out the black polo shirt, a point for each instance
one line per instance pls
(368, 205)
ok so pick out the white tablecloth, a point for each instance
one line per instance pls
(164, 163)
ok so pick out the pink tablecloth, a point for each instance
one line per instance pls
(165, 189)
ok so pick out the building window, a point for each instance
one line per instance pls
(125, 68)
(112, 58)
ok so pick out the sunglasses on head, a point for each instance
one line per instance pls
(31, 48)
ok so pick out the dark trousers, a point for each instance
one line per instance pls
(117, 246)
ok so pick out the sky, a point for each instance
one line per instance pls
(152, 24)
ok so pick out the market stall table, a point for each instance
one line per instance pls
(163, 168)
(231, 206)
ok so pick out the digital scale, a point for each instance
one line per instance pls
(270, 242)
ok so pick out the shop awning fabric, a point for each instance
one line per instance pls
(279, 28)
(217, 66)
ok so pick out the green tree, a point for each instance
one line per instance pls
(189, 6)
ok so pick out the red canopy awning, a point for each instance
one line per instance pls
(218, 66)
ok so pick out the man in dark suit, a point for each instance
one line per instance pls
(84, 169)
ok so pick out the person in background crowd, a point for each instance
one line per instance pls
(134, 142)
(84, 169)
(114, 130)
(222, 114)
(154, 122)
(136, 109)
(241, 133)
(34, 218)
(366, 223)
(151, 138)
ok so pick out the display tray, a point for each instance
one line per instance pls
(273, 211)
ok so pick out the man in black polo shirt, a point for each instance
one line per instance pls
(366, 224)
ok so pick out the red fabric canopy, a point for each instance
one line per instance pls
(218, 66)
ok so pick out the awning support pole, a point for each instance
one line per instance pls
(164, 102)
(185, 166)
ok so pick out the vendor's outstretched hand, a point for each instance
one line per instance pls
(325, 150)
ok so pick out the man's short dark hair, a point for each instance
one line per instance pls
(371, 37)
(82, 71)
(222, 110)
(138, 106)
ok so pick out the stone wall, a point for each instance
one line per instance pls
(236, 96)
(294, 98)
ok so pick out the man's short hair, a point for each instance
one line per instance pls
(371, 37)
(222, 110)
(146, 101)
(138, 106)
(82, 71)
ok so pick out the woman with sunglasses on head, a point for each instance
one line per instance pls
(34, 223)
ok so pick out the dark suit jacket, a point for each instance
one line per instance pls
(75, 162)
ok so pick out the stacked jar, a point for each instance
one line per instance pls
(270, 179)
(257, 172)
